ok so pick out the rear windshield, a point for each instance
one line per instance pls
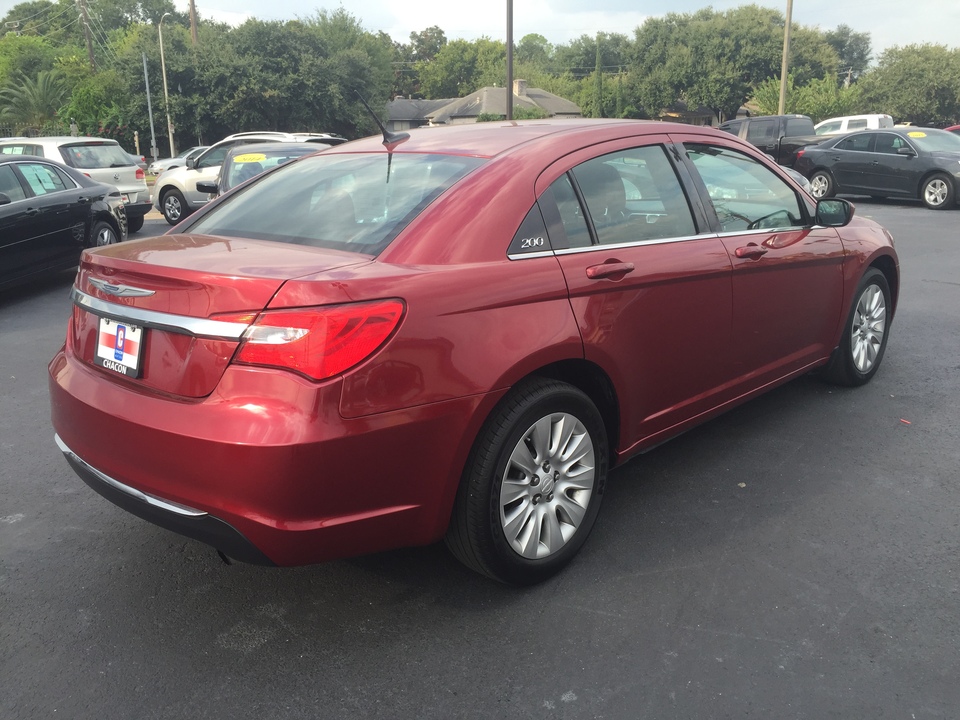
(90, 156)
(355, 202)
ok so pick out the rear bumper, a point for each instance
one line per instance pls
(265, 468)
(138, 209)
(181, 519)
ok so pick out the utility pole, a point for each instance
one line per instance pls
(153, 140)
(786, 57)
(86, 33)
(193, 22)
(509, 88)
(166, 94)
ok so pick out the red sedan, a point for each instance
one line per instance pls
(454, 334)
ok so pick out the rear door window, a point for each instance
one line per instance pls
(857, 143)
(634, 195)
(44, 179)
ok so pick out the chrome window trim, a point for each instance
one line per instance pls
(149, 499)
(181, 324)
(538, 254)
(638, 243)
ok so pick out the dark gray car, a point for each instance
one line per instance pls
(907, 162)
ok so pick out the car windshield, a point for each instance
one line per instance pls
(89, 156)
(355, 202)
(935, 140)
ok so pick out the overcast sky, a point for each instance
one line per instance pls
(889, 22)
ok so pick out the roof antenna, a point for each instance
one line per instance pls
(389, 138)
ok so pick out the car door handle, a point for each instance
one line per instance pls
(82, 200)
(752, 251)
(32, 211)
(613, 269)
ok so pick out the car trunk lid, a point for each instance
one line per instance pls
(184, 302)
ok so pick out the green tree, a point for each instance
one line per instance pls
(820, 99)
(715, 59)
(462, 67)
(533, 50)
(33, 102)
(916, 83)
(852, 48)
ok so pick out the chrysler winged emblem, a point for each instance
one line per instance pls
(120, 290)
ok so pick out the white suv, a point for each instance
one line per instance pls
(175, 192)
(97, 158)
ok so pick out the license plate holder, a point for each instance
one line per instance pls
(120, 347)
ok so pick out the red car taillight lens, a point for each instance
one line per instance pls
(319, 342)
(140, 174)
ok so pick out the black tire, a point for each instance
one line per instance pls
(937, 192)
(857, 359)
(173, 206)
(548, 517)
(134, 223)
(822, 185)
(102, 234)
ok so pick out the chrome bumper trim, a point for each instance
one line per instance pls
(167, 505)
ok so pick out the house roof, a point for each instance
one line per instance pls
(493, 101)
(487, 100)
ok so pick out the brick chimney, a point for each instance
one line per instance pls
(520, 88)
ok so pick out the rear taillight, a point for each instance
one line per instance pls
(799, 154)
(319, 342)
(140, 174)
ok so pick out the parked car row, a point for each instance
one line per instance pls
(100, 159)
(453, 334)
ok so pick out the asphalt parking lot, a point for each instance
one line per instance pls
(795, 558)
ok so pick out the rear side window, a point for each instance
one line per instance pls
(91, 156)
(827, 128)
(353, 202)
(857, 143)
(799, 126)
(859, 124)
(761, 131)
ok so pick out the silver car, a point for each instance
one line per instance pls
(175, 192)
(159, 166)
(99, 159)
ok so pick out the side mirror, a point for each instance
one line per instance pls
(906, 151)
(192, 163)
(207, 186)
(834, 212)
(4, 199)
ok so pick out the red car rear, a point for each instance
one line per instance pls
(454, 336)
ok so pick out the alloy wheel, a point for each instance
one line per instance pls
(869, 326)
(547, 485)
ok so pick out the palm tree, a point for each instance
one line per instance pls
(33, 103)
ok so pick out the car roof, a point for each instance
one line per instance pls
(59, 140)
(494, 138)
